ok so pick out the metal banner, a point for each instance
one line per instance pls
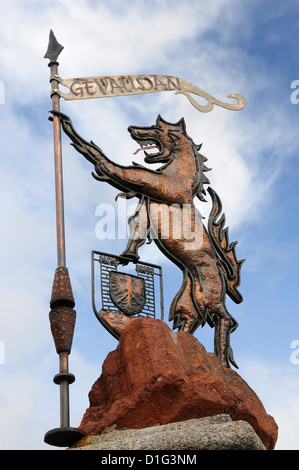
(124, 85)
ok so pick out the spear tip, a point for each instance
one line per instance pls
(54, 48)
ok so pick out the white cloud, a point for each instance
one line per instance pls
(277, 386)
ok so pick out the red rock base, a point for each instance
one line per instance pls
(157, 376)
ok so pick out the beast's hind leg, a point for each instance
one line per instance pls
(183, 311)
(225, 324)
(138, 225)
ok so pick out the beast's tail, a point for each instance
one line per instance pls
(225, 251)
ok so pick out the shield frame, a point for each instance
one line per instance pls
(103, 263)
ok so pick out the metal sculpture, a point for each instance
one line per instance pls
(62, 315)
(165, 213)
(166, 199)
(125, 296)
(123, 85)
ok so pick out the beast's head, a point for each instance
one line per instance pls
(168, 142)
(163, 137)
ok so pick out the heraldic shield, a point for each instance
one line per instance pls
(127, 292)
(125, 296)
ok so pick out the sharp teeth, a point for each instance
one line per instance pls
(148, 145)
(145, 144)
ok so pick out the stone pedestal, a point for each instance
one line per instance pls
(214, 433)
(156, 377)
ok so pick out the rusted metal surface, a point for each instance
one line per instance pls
(62, 320)
(60, 225)
(125, 296)
(127, 292)
(62, 316)
(114, 322)
(53, 51)
(62, 293)
(207, 260)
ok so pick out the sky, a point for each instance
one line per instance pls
(222, 46)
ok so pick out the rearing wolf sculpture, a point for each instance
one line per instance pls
(206, 258)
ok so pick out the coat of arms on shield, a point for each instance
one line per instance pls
(127, 292)
(120, 296)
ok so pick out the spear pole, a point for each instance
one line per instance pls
(62, 316)
(53, 52)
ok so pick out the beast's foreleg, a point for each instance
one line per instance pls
(139, 231)
(90, 151)
(128, 179)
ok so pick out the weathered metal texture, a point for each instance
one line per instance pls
(54, 48)
(60, 225)
(62, 315)
(114, 322)
(123, 85)
(62, 293)
(166, 214)
(63, 437)
(127, 292)
(62, 320)
(125, 296)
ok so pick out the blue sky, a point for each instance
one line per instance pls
(222, 46)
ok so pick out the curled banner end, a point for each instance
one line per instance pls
(211, 101)
(204, 108)
(241, 102)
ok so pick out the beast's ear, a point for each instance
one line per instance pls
(181, 123)
(160, 120)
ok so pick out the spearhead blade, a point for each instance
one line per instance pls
(54, 48)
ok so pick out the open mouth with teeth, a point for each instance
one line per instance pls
(148, 147)
(152, 147)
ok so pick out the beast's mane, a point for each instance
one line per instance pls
(201, 168)
(200, 178)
